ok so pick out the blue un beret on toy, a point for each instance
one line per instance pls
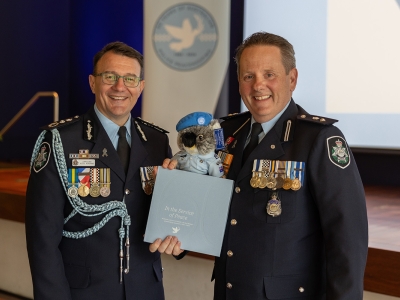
(194, 119)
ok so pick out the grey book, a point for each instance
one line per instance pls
(192, 207)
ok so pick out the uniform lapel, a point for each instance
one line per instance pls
(236, 149)
(271, 147)
(102, 145)
(138, 153)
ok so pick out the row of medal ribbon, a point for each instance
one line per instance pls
(147, 176)
(89, 181)
(277, 174)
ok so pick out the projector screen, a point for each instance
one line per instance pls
(348, 58)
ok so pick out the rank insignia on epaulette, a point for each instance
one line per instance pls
(234, 115)
(152, 125)
(316, 119)
(338, 151)
(60, 123)
(42, 158)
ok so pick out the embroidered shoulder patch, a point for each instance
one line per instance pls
(338, 151)
(42, 158)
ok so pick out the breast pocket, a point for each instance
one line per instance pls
(282, 205)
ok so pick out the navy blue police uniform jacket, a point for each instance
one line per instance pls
(317, 247)
(89, 268)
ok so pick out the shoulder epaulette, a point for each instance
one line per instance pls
(61, 123)
(235, 115)
(151, 125)
(316, 119)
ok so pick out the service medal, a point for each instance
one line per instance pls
(105, 191)
(73, 191)
(279, 182)
(83, 190)
(274, 208)
(94, 190)
(105, 182)
(148, 188)
(254, 181)
(271, 181)
(296, 184)
(263, 182)
(287, 184)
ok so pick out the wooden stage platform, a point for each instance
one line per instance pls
(382, 274)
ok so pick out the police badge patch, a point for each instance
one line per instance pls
(338, 152)
(42, 158)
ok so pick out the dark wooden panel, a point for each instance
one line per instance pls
(13, 183)
(382, 274)
(12, 207)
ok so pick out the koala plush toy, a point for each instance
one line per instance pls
(197, 144)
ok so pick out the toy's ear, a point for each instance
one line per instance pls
(215, 124)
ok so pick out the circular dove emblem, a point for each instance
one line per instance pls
(185, 37)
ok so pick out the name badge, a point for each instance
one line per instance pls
(79, 162)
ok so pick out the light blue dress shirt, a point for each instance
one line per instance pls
(267, 126)
(112, 129)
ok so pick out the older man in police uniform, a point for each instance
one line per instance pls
(297, 226)
(89, 193)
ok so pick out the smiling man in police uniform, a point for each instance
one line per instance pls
(297, 226)
(89, 193)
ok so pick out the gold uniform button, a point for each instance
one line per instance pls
(233, 222)
(272, 146)
(237, 190)
(127, 192)
(322, 120)
(315, 118)
(303, 116)
(229, 285)
(301, 289)
(230, 253)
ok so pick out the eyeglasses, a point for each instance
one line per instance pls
(110, 78)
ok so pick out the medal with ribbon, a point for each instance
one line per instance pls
(298, 173)
(271, 181)
(105, 182)
(280, 173)
(255, 179)
(287, 183)
(94, 190)
(84, 181)
(72, 177)
(146, 173)
(265, 170)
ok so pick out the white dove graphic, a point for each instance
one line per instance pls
(175, 229)
(186, 34)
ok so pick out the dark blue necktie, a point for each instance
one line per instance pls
(123, 148)
(255, 131)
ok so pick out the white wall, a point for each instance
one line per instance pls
(347, 58)
(15, 276)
